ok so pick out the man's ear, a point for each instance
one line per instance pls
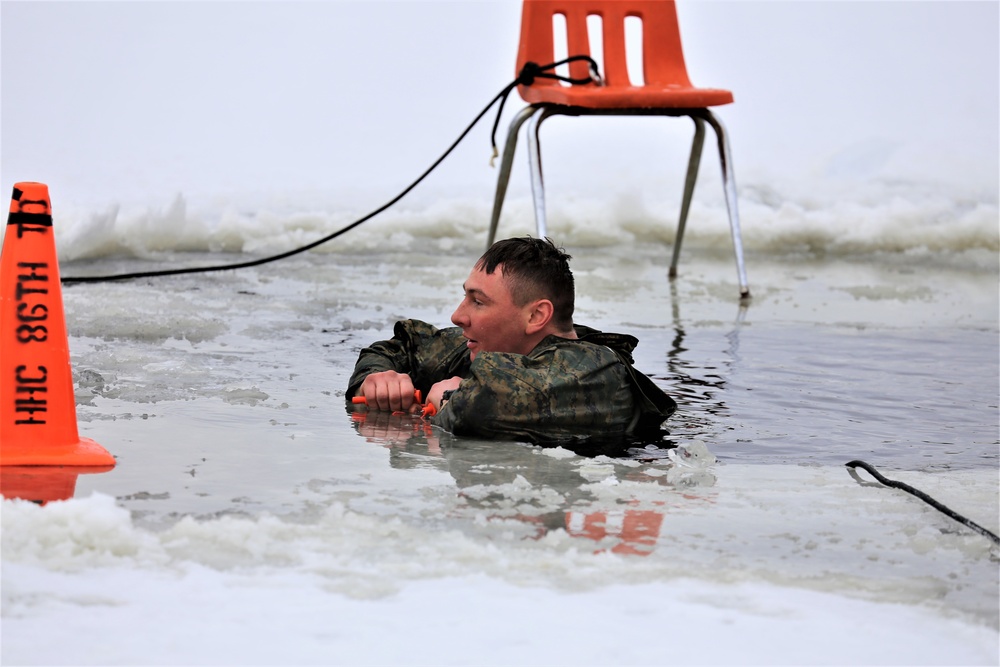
(539, 316)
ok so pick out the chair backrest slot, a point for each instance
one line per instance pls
(641, 42)
(634, 54)
(595, 38)
(560, 48)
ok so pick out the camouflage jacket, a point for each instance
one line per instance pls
(563, 389)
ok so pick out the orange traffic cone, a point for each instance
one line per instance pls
(37, 405)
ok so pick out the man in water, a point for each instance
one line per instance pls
(515, 366)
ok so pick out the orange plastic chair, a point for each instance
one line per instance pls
(665, 91)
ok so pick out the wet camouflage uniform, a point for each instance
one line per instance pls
(563, 389)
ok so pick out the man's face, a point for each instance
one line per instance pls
(488, 316)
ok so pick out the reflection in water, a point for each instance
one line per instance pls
(699, 387)
(637, 529)
(42, 484)
(619, 503)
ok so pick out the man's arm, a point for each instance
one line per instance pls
(581, 391)
(385, 355)
(417, 356)
(382, 373)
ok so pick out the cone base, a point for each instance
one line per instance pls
(86, 452)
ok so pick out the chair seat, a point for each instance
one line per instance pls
(671, 96)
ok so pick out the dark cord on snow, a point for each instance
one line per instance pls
(923, 496)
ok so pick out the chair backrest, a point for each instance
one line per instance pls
(662, 54)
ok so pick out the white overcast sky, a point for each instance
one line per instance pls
(139, 100)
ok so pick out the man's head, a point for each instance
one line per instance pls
(519, 291)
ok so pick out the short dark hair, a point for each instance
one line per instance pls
(534, 269)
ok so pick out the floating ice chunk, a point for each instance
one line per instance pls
(244, 395)
(169, 366)
(592, 471)
(558, 452)
(693, 454)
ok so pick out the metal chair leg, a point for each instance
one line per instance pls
(505, 166)
(729, 185)
(689, 181)
(535, 165)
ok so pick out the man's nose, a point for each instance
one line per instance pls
(458, 317)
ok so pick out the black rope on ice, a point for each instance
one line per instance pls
(526, 76)
(922, 496)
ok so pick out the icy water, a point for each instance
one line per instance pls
(252, 519)
(244, 481)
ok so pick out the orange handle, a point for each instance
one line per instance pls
(360, 400)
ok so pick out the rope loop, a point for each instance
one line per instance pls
(531, 71)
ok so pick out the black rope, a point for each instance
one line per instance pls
(526, 76)
(923, 496)
(532, 71)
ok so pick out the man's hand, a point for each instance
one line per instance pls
(389, 391)
(434, 395)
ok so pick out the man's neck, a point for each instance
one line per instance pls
(569, 333)
(553, 331)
